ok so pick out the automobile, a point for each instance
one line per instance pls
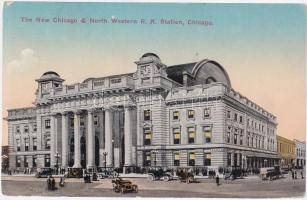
(233, 173)
(123, 186)
(185, 176)
(43, 172)
(74, 172)
(108, 174)
(271, 173)
(159, 174)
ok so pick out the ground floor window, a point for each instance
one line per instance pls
(207, 159)
(176, 158)
(18, 161)
(47, 160)
(147, 160)
(191, 159)
(34, 161)
(26, 163)
(229, 159)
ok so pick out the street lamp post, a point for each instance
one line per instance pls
(57, 156)
(105, 160)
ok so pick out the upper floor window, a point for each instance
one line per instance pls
(17, 129)
(176, 158)
(34, 144)
(247, 141)
(147, 115)
(82, 119)
(207, 133)
(47, 123)
(47, 142)
(241, 139)
(26, 129)
(27, 144)
(176, 115)
(191, 159)
(176, 132)
(235, 138)
(228, 114)
(191, 114)
(18, 144)
(241, 119)
(34, 127)
(228, 134)
(236, 117)
(207, 113)
(247, 122)
(96, 119)
(148, 136)
(191, 132)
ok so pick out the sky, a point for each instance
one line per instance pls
(261, 46)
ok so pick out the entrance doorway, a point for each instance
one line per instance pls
(83, 152)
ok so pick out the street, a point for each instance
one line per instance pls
(252, 187)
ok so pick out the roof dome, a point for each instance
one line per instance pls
(150, 57)
(50, 75)
(50, 72)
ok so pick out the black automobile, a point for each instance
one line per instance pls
(44, 172)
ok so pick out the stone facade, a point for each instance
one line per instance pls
(300, 153)
(171, 116)
(286, 152)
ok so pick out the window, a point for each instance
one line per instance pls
(34, 159)
(72, 122)
(191, 159)
(17, 129)
(207, 113)
(207, 159)
(262, 145)
(148, 136)
(147, 160)
(26, 129)
(241, 119)
(228, 114)
(82, 121)
(247, 141)
(18, 144)
(47, 142)
(176, 158)
(72, 145)
(47, 160)
(241, 139)
(229, 159)
(235, 138)
(207, 133)
(96, 119)
(228, 134)
(147, 114)
(34, 144)
(34, 127)
(247, 122)
(191, 114)
(191, 134)
(26, 144)
(47, 123)
(18, 161)
(176, 115)
(252, 143)
(26, 163)
(176, 132)
(236, 117)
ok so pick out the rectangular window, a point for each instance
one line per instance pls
(26, 144)
(96, 119)
(176, 115)
(47, 123)
(17, 129)
(207, 113)
(34, 127)
(72, 122)
(34, 159)
(207, 133)
(235, 138)
(34, 144)
(247, 122)
(18, 144)
(47, 142)
(228, 134)
(229, 159)
(228, 114)
(236, 117)
(191, 114)
(177, 135)
(191, 134)
(247, 141)
(18, 161)
(26, 129)
(207, 159)
(176, 158)
(241, 119)
(241, 139)
(148, 136)
(147, 115)
(47, 160)
(82, 121)
(191, 159)
(147, 156)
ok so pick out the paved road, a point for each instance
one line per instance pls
(250, 187)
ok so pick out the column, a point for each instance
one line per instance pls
(91, 140)
(128, 137)
(64, 140)
(101, 140)
(52, 140)
(77, 157)
(108, 137)
(232, 158)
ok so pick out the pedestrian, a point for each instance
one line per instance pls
(61, 183)
(52, 184)
(48, 183)
(217, 180)
(295, 174)
(292, 171)
(302, 174)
